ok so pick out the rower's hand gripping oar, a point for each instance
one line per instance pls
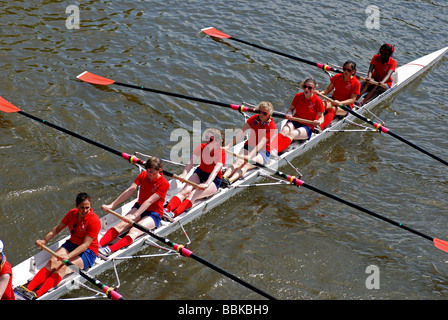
(188, 253)
(109, 291)
(215, 33)
(98, 80)
(440, 244)
(383, 129)
(10, 108)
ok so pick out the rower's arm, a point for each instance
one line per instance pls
(258, 147)
(124, 196)
(239, 136)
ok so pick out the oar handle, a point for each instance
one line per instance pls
(175, 176)
(383, 85)
(302, 120)
(239, 156)
(44, 247)
(323, 96)
(112, 212)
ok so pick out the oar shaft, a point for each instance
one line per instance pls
(383, 129)
(376, 215)
(73, 134)
(283, 54)
(300, 183)
(231, 276)
(98, 80)
(126, 156)
(172, 94)
(409, 143)
(202, 100)
(110, 292)
(188, 253)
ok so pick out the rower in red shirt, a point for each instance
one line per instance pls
(147, 211)
(257, 147)
(81, 249)
(346, 88)
(6, 291)
(381, 68)
(208, 175)
(305, 105)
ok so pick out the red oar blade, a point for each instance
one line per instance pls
(94, 79)
(212, 32)
(7, 106)
(441, 244)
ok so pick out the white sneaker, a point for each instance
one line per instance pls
(168, 215)
(105, 251)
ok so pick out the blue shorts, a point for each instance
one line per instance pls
(203, 176)
(308, 130)
(88, 257)
(266, 155)
(154, 215)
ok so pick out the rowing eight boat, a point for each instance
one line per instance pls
(26, 270)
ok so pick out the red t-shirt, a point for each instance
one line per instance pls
(89, 226)
(343, 90)
(159, 186)
(307, 109)
(9, 292)
(210, 159)
(381, 69)
(259, 130)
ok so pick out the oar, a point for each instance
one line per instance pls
(376, 83)
(110, 292)
(188, 253)
(440, 244)
(95, 79)
(8, 107)
(213, 32)
(383, 129)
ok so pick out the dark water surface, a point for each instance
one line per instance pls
(291, 243)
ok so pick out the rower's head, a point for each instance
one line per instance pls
(213, 135)
(154, 167)
(83, 203)
(349, 68)
(266, 110)
(386, 50)
(309, 85)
